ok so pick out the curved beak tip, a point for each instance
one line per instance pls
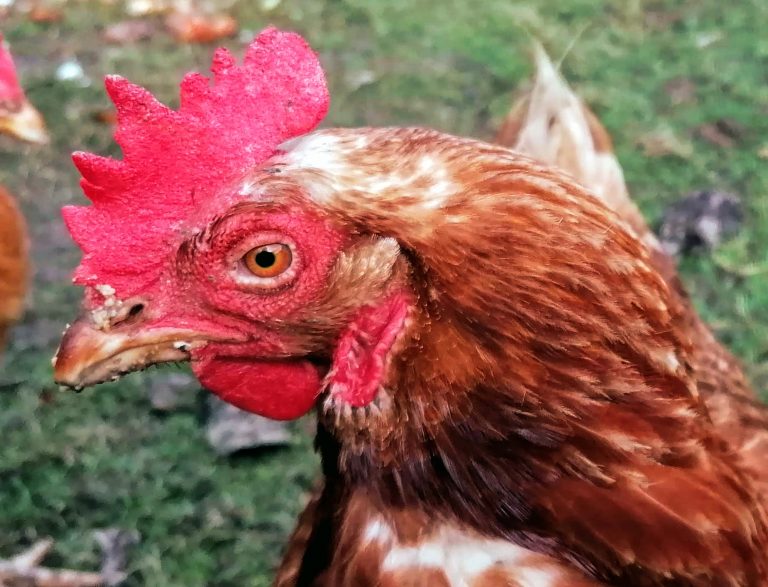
(89, 356)
(73, 356)
(27, 125)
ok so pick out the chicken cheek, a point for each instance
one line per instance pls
(280, 390)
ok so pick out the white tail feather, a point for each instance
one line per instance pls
(553, 125)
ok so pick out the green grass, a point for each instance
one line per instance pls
(71, 463)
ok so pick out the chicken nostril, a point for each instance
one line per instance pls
(135, 310)
(127, 314)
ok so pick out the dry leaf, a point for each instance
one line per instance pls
(662, 142)
(108, 116)
(200, 28)
(680, 90)
(662, 20)
(704, 40)
(128, 31)
(722, 133)
(45, 14)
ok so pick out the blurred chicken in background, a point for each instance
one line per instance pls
(19, 119)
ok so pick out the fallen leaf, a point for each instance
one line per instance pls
(662, 20)
(128, 31)
(146, 7)
(45, 14)
(189, 27)
(680, 90)
(722, 133)
(358, 78)
(105, 116)
(762, 152)
(269, 5)
(711, 134)
(664, 141)
(704, 40)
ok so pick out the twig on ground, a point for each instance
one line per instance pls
(24, 570)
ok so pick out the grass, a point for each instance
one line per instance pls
(71, 463)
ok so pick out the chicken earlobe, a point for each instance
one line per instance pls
(364, 349)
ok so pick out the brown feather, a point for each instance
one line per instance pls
(553, 125)
(544, 393)
(13, 263)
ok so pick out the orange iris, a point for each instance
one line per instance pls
(268, 260)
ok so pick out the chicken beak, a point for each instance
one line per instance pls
(89, 356)
(26, 124)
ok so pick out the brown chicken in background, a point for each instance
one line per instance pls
(13, 263)
(553, 125)
(507, 377)
(19, 119)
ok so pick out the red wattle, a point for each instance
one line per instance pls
(280, 390)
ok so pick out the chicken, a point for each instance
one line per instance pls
(13, 264)
(19, 119)
(504, 381)
(554, 126)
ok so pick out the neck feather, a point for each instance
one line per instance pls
(544, 382)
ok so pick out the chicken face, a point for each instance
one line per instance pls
(276, 277)
(262, 299)
(18, 118)
(197, 249)
(230, 299)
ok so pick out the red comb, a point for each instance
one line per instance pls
(10, 90)
(177, 161)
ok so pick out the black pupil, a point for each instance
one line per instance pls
(265, 259)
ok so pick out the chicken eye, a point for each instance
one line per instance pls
(268, 260)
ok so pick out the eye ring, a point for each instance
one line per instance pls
(268, 261)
